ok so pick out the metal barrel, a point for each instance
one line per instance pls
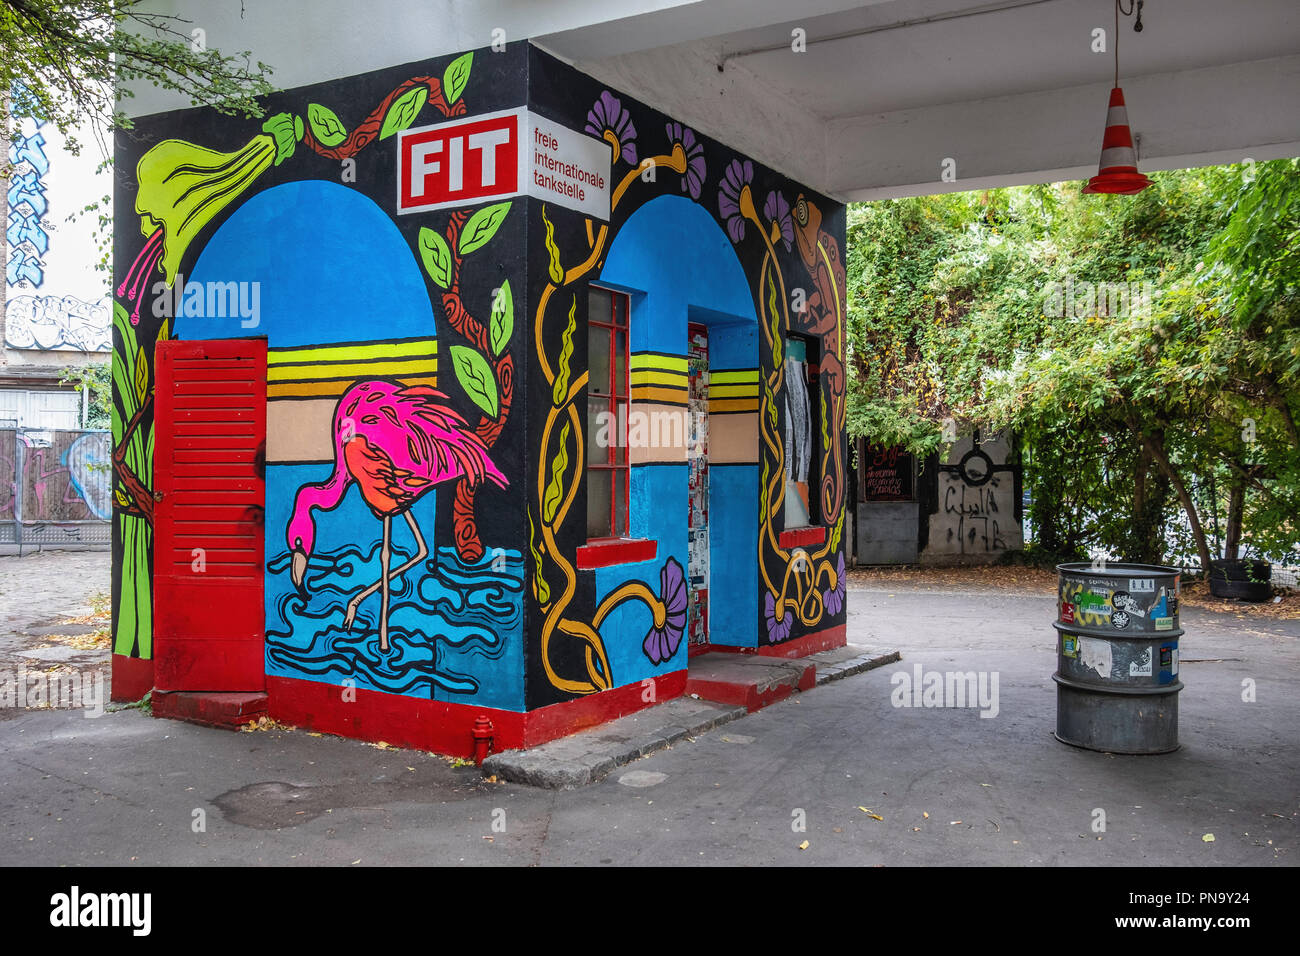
(1117, 657)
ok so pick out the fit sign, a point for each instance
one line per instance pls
(497, 155)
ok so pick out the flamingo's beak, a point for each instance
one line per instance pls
(298, 571)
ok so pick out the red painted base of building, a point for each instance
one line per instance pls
(229, 711)
(132, 678)
(754, 691)
(813, 643)
(445, 728)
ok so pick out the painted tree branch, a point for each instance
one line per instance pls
(141, 498)
(468, 543)
(368, 129)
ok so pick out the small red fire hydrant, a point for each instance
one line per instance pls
(482, 734)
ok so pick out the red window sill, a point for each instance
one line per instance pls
(802, 537)
(604, 552)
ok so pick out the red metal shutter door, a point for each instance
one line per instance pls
(210, 429)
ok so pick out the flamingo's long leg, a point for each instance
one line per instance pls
(385, 586)
(422, 552)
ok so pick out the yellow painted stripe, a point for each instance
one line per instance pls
(351, 353)
(654, 360)
(422, 366)
(666, 395)
(307, 389)
(646, 377)
(733, 377)
(733, 391)
(733, 405)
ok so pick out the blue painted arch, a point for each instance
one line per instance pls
(331, 267)
(680, 262)
(680, 266)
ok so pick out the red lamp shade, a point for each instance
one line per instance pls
(1117, 172)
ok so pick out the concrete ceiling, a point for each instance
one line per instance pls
(1011, 91)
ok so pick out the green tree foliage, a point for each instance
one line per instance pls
(67, 60)
(97, 380)
(1146, 350)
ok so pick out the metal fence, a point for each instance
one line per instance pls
(55, 488)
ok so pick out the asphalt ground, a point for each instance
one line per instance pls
(838, 775)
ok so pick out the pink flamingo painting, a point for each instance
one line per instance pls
(396, 442)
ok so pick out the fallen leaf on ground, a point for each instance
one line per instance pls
(803, 845)
(1208, 838)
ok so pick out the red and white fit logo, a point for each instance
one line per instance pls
(464, 161)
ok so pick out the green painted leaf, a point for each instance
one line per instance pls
(555, 487)
(776, 319)
(141, 377)
(566, 353)
(325, 125)
(481, 227)
(476, 378)
(502, 324)
(553, 251)
(456, 77)
(404, 111)
(436, 256)
(540, 587)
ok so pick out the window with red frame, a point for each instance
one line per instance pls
(607, 411)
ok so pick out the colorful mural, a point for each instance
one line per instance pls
(408, 438)
(791, 277)
(396, 443)
(436, 363)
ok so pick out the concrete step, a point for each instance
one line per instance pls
(748, 680)
(209, 708)
(754, 681)
(587, 757)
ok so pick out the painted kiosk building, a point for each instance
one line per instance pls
(467, 389)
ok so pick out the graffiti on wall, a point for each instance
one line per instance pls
(54, 476)
(57, 322)
(976, 508)
(26, 232)
(74, 317)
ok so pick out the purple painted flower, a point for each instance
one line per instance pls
(777, 631)
(608, 115)
(735, 181)
(661, 640)
(693, 179)
(777, 211)
(834, 597)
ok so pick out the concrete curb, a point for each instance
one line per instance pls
(584, 758)
(856, 665)
(590, 756)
